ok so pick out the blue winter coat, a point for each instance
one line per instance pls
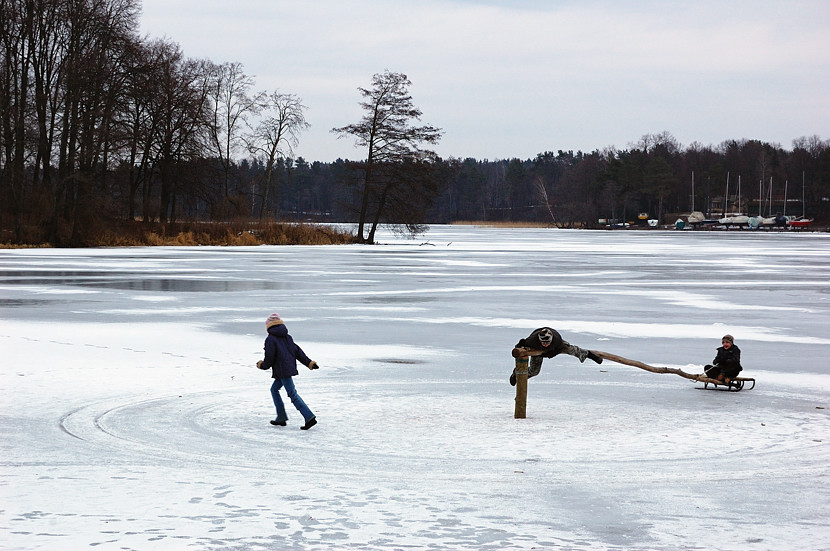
(282, 353)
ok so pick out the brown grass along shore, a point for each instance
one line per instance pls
(141, 234)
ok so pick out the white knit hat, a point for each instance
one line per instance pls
(273, 319)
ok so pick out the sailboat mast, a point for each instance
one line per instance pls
(693, 192)
(739, 211)
(708, 196)
(726, 198)
(760, 197)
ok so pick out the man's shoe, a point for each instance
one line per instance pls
(278, 423)
(310, 423)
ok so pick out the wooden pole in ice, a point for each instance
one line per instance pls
(520, 412)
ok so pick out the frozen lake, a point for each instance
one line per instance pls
(133, 416)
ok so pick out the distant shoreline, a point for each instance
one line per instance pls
(636, 227)
(240, 234)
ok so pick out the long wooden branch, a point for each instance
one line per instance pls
(527, 352)
(619, 359)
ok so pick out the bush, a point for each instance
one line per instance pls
(241, 233)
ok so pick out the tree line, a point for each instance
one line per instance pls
(655, 175)
(99, 126)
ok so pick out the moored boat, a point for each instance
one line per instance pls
(734, 220)
(799, 222)
(697, 218)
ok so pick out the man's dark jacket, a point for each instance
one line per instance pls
(532, 341)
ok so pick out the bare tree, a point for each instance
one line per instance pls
(139, 120)
(180, 103)
(232, 104)
(542, 195)
(390, 140)
(16, 37)
(63, 66)
(277, 134)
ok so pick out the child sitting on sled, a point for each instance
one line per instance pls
(727, 362)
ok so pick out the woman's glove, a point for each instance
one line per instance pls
(313, 365)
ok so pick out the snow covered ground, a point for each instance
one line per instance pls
(132, 415)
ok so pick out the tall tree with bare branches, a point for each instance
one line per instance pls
(391, 141)
(276, 135)
(232, 104)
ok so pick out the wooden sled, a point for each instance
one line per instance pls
(736, 385)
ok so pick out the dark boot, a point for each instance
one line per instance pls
(310, 423)
(278, 423)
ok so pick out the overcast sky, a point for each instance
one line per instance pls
(515, 78)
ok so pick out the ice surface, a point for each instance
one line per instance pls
(133, 417)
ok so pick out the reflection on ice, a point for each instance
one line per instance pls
(172, 285)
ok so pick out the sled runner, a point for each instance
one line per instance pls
(737, 384)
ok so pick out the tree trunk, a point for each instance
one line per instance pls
(364, 203)
(381, 204)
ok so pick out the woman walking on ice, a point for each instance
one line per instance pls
(281, 356)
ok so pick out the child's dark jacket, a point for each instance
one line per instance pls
(282, 353)
(729, 359)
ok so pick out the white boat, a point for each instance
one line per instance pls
(756, 222)
(736, 219)
(696, 217)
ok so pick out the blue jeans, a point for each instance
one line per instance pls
(291, 391)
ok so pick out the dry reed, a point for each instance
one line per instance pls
(240, 233)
